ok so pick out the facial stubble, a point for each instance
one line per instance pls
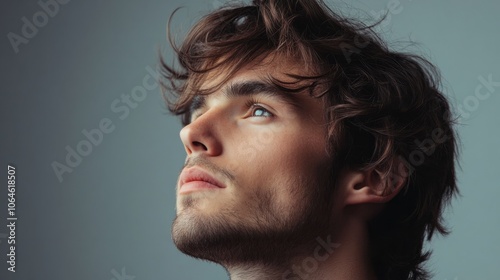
(272, 237)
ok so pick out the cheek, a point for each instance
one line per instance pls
(302, 153)
(286, 166)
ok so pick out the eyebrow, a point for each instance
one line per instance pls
(248, 88)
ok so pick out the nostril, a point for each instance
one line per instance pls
(200, 145)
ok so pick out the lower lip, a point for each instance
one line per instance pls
(196, 186)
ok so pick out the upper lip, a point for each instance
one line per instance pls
(197, 174)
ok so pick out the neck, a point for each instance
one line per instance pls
(345, 256)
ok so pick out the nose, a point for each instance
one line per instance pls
(200, 136)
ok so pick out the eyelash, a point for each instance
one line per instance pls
(250, 104)
(255, 104)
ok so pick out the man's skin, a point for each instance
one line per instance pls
(273, 214)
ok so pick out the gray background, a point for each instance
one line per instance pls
(111, 215)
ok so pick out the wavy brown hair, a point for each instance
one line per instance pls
(383, 108)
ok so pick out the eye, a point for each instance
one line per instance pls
(257, 110)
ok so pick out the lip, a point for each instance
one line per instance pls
(196, 179)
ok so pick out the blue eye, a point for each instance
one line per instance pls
(258, 111)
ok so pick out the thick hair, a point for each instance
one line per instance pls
(384, 108)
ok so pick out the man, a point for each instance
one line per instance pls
(313, 151)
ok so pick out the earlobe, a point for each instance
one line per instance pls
(372, 186)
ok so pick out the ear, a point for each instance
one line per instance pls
(373, 186)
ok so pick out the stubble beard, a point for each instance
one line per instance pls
(274, 242)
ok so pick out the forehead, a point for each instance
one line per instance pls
(277, 66)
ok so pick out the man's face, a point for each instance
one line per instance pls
(257, 176)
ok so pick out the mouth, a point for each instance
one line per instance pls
(195, 179)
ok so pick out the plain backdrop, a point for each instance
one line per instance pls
(110, 217)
